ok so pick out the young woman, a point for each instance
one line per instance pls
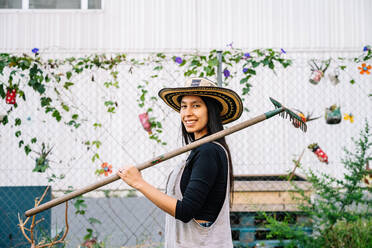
(198, 191)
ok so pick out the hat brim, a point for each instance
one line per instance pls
(232, 106)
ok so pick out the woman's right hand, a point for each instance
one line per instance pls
(131, 175)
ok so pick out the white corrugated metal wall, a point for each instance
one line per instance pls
(147, 25)
(184, 25)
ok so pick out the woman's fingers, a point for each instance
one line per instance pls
(130, 174)
(121, 170)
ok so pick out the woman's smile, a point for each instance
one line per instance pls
(194, 115)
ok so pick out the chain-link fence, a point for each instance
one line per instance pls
(261, 154)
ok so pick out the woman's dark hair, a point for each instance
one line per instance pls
(214, 125)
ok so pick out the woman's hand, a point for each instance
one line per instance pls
(131, 175)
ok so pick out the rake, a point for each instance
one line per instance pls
(279, 109)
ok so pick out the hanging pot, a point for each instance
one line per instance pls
(11, 96)
(144, 118)
(333, 114)
(322, 156)
(316, 76)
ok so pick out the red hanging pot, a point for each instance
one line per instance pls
(144, 118)
(11, 96)
(322, 156)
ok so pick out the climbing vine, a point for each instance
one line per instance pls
(51, 79)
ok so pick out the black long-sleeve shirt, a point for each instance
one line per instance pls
(203, 184)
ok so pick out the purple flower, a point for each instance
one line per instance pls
(282, 50)
(230, 45)
(178, 60)
(35, 50)
(365, 48)
(247, 55)
(245, 70)
(226, 73)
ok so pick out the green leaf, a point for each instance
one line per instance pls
(18, 133)
(40, 88)
(244, 80)
(213, 62)
(251, 71)
(75, 116)
(57, 115)
(94, 221)
(68, 75)
(49, 109)
(271, 65)
(4, 121)
(70, 123)
(195, 63)
(95, 156)
(255, 64)
(27, 149)
(2, 92)
(47, 78)
(111, 110)
(17, 122)
(67, 85)
(109, 103)
(45, 101)
(89, 235)
(65, 107)
(352, 81)
(95, 125)
(97, 143)
(20, 143)
(33, 140)
(160, 55)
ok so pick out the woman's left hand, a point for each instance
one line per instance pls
(131, 175)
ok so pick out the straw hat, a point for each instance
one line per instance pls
(232, 106)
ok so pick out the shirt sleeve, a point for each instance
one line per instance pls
(205, 166)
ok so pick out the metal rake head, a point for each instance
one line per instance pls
(293, 117)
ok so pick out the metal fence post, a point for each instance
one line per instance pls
(219, 68)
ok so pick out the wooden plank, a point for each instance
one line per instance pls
(269, 175)
(265, 208)
(243, 186)
(266, 197)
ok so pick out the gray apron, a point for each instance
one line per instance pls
(191, 234)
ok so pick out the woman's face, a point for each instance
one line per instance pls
(194, 115)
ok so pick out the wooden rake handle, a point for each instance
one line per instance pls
(156, 160)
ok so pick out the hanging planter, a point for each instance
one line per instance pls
(42, 162)
(11, 96)
(322, 156)
(333, 114)
(317, 70)
(144, 118)
(334, 77)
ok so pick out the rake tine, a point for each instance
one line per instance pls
(293, 117)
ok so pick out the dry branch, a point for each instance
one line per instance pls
(30, 238)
